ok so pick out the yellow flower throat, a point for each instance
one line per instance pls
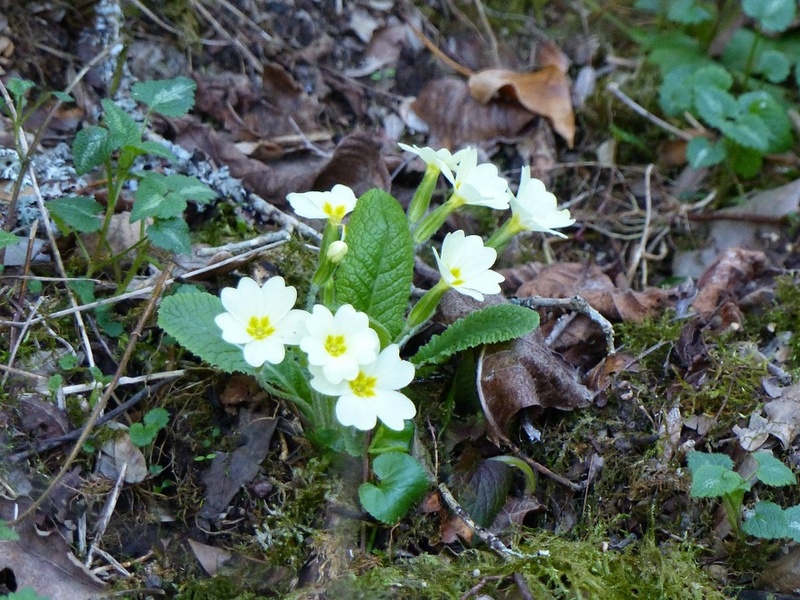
(335, 345)
(363, 385)
(260, 328)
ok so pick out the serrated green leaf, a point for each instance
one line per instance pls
(714, 481)
(157, 417)
(674, 96)
(170, 97)
(490, 325)
(64, 97)
(290, 377)
(150, 147)
(190, 188)
(171, 234)
(122, 129)
(90, 149)
(701, 152)
(697, 459)
(487, 491)
(9, 239)
(674, 50)
(189, 318)
(140, 435)
(402, 483)
(78, 212)
(773, 65)
(768, 522)
(772, 471)
(714, 105)
(792, 516)
(772, 15)
(18, 87)
(689, 12)
(375, 275)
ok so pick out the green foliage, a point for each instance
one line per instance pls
(772, 15)
(77, 212)
(171, 98)
(143, 434)
(8, 239)
(375, 275)
(388, 440)
(490, 325)
(25, 594)
(402, 483)
(6, 533)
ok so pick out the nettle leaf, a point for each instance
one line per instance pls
(768, 522)
(490, 325)
(714, 481)
(375, 275)
(792, 516)
(772, 471)
(64, 97)
(170, 97)
(701, 152)
(90, 148)
(122, 129)
(190, 188)
(697, 459)
(9, 239)
(18, 87)
(486, 492)
(163, 197)
(78, 212)
(772, 15)
(189, 318)
(157, 417)
(150, 147)
(171, 234)
(402, 483)
(673, 50)
(689, 12)
(773, 65)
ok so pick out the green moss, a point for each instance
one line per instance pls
(785, 315)
(216, 588)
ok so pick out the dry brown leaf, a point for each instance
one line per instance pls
(545, 92)
(455, 118)
(210, 558)
(357, 163)
(383, 49)
(732, 269)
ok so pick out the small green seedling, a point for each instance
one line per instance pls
(713, 477)
(143, 434)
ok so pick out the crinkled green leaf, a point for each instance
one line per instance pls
(772, 15)
(150, 147)
(792, 516)
(90, 148)
(9, 239)
(171, 234)
(122, 129)
(141, 436)
(490, 325)
(697, 459)
(388, 440)
(486, 492)
(714, 481)
(402, 483)
(768, 522)
(772, 471)
(290, 377)
(170, 97)
(375, 275)
(78, 212)
(189, 318)
(701, 152)
(157, 417)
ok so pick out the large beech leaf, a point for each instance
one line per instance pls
(498, 323)
(375, 275)
(189, 318)
(402, 483)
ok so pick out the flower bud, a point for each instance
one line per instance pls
(336, 251)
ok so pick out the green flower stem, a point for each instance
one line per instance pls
(326, 266)
(422, 197)
(422, 312)
(733, 510)
(431, 224)
(503, 236)
(114, 191)
(328, 293)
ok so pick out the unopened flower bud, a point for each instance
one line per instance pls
(336, 251)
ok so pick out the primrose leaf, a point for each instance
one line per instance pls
(402, 483)
(122, 129)
(388, 440)
(713, 481)
(189, 318)
(490, 325)
(79, 212)
(157, 418)
(700, 152)
(486, 492)
(772, 15)
(140, 435)
(9, 239)
(90, 148)
(375, 275)
(792, 516)
(171, 234)
(768, 522)
(772, 471)
(290, 377)
(170, 97)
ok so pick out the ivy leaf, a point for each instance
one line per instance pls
(375, 275)
(701, 152)
(402, 483)
(122, 129)
(713, 481)
(170, 97)
(772, 471)
(171, 234)
(768, 522)
(772, 15)
(490, 325)
(487, 491)
(792, 516)
(90, 149)
(189, 318)
(78, 212)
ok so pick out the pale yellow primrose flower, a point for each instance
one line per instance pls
(339, 343)
(536, 209)
(373, 394)
(440, 159)
(465, 265)
(332, 205)
(478, 185)
(261, 320)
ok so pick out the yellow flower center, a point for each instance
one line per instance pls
(335, 345)
(363, 385)
(335, 213)
(456, 273)
(260, 328)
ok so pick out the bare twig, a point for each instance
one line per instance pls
(642, 247)
(105, 517)
(613, 87)
(487, 29)
(255, 64)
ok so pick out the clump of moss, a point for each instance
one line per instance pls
(785, 315)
